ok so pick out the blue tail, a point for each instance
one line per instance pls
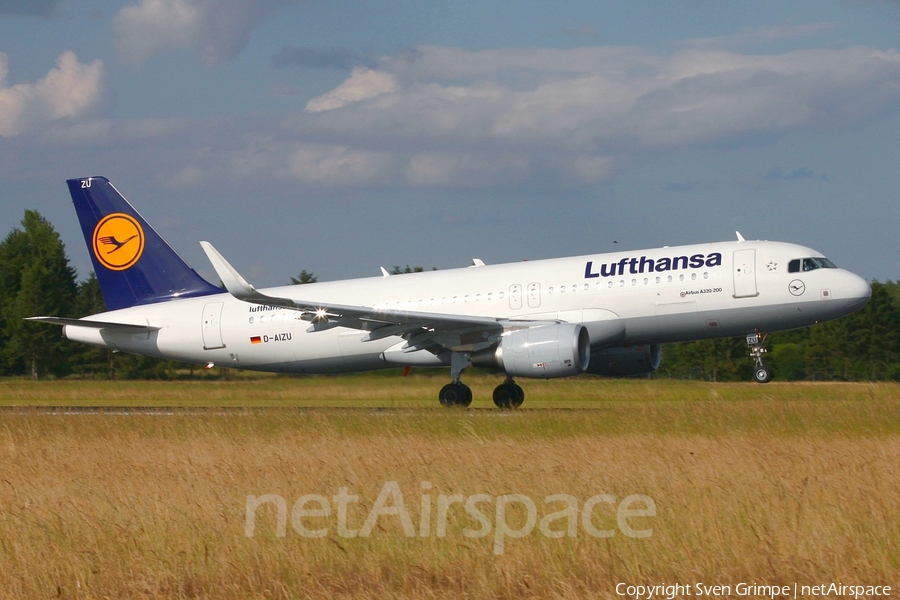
(134, 265)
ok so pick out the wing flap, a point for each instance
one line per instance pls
(366, 318)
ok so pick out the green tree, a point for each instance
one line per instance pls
(304, 277)
(788, 361)
(398, 270)
(35, 279)
(89, 360)
(725, 359)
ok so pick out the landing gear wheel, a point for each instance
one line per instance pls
(455, 394)
(508, 395)
(762, 374)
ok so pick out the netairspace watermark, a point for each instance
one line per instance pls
(489, 514)
(673, 591)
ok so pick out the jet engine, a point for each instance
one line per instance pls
(623, 361)
(544, 352)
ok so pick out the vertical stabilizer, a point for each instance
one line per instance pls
(134, 265)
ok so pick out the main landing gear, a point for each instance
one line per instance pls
(506, 395)
(761, 373)
(457, 393)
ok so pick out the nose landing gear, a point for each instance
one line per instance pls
(762, 373)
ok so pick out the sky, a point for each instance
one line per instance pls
(339, 136)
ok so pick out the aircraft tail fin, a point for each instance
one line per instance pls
(134, 265)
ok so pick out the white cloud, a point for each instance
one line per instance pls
(68, 91)
(576, 119)
(216, 29)
(337, 165)
(586, 170)
(445, 117)
(437, 169)
(154, 25)
(755, 35)
(363, 84)
(603, 101)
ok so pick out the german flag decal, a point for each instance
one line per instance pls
(256, 340)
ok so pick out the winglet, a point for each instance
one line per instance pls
(231, 279)
(236, 285)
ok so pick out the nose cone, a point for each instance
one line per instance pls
(856, 290)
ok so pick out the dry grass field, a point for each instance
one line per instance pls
(777, 484)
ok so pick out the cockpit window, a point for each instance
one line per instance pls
(809, 264)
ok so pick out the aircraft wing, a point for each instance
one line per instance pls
(421, 330)
(124, 327)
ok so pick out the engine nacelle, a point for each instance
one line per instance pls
(547, 351)
(623, 361)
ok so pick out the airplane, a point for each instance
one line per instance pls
(604, 314)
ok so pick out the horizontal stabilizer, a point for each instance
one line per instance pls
(125, 327)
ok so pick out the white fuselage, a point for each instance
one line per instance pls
(625, 298)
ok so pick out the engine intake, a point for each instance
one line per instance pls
(545, 352)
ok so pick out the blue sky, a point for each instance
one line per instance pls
(342, 136)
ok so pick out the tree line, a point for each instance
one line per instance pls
(863, 346)
(36, 278)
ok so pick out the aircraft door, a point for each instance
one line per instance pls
(745, 273)
(534, 295)
(212, 325)
(515, 296)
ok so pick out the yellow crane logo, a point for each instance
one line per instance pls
(118, 241)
